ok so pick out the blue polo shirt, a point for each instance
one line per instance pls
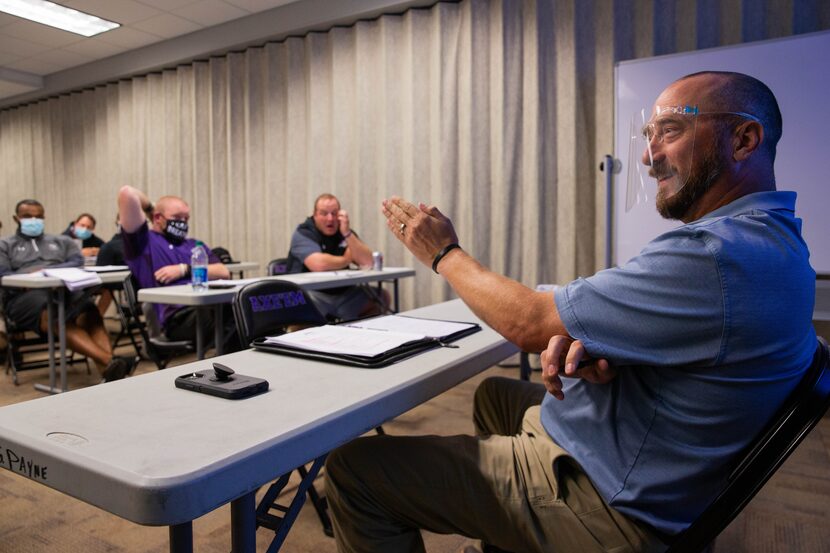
(710, 327)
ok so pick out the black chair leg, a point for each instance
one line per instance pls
(320, 504)
(524, 366)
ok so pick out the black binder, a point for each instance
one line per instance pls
(384, 359)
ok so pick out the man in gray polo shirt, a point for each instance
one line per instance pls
(692, 346)
(29, 250)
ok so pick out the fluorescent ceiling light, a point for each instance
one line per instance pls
(58, 16)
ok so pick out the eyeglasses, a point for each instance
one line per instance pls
(671, 122)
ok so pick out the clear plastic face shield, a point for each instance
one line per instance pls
(648, 136)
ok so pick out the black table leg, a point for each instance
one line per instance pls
(181, 538)
(243, 524)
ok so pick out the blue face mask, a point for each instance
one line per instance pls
(31, 227)
(81, 232)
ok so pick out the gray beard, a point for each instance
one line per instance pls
(698, 183)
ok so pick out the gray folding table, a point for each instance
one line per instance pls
(183, 294)
(56, 289)
(154, 454)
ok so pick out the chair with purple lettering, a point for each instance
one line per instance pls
(270, 307)
(267, 308)
(278, 266)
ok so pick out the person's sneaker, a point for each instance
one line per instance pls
(116, 370)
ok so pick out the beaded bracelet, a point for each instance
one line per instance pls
(440, 255)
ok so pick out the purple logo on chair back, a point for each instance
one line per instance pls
(272, 302)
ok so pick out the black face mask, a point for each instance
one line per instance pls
(175, 231)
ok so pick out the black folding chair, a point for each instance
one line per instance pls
(131, 324)
(801, 412)
(27, 350)
(278, 266)
(223, 254)
(268, 308)
(160, 350)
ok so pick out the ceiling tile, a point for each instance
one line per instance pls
(20, 47)
(167, 25)
(210, 12)
(31, 65)
(62, 58)
(120, 11)
(41, 34)
(259, 5)
(169, 5)
(129, 38)
(95, 48)
(6, 19)
(7, 57)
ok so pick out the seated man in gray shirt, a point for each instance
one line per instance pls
(29, 250)
(326, 242)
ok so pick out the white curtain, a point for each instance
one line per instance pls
(497, 111)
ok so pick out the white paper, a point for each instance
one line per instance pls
(341, 339)
(424, 327)
(233, 282)
(74, 278)
(331, 274)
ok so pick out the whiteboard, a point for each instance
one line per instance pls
(797, 70)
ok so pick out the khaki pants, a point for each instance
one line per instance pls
(511, 486)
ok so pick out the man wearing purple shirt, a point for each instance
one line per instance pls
(158, 254)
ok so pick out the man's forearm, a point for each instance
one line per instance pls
(132, 204)
(361, 253)
(525, 317)
(74, 260)
(326, 262)
(218, 270)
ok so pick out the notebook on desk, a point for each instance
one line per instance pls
(370, 343)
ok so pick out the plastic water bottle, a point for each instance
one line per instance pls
(198, 268)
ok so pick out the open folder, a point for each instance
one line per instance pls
(368, 343)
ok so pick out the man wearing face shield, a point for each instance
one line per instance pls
(29, 250)
(689, 348)
(158, 254)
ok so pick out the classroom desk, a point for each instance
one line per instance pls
(56, 295)
(158, 455)
(183, 294)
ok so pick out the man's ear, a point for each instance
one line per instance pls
(747, 138)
